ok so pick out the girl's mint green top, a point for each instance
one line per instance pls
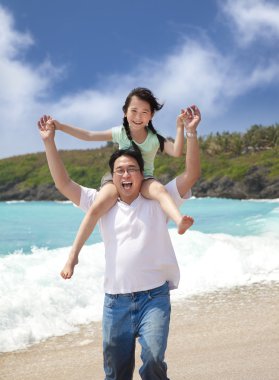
(148, 148)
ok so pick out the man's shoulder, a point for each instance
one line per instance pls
(173, 191)
(87, 197)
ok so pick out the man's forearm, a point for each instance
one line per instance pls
(56, 166)
(192, 163)
(192, 159)
(189, 177)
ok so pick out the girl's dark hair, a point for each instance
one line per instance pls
(136, 154)
(146, 95)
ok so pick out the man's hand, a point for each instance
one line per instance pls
(46, 127)
(191, 118)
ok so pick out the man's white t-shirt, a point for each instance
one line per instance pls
(138, 251)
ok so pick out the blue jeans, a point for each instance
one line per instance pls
(144, 315)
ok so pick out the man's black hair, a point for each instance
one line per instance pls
(126, 152)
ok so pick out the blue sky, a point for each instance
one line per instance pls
(77, 61)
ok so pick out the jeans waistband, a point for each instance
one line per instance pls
(133, 294)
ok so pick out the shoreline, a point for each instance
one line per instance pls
(231, 334)
(65, 201)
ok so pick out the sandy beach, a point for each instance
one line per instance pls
(227, 335)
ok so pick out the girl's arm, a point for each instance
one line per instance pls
(175, 149)
(83, 134)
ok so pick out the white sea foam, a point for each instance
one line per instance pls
(209, 262)
(64, 202)
(270, 227)
(36, 303)
(275, 200)
(13, 202)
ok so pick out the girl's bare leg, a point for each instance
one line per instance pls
(153, 189)
(106, 198)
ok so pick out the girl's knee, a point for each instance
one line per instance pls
(153, 186)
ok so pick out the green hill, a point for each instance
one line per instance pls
(234, 165)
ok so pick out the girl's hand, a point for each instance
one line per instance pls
(180, 119)
(56, 124)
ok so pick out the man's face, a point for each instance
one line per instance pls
(127, 178)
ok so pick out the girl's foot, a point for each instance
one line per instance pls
(68, 269)
(184, 224)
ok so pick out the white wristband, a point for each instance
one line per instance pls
(191, 134)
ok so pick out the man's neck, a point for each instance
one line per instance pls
(129, 200)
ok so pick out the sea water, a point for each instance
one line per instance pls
(232, 243)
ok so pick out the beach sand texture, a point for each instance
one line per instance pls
(226, 335)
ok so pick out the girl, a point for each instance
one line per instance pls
(137, 130)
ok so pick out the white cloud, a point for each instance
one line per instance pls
(11, 42)
(194, 72)
(253, 19)
(23, 87)
(88, 108)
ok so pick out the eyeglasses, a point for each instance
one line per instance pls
(121, 171)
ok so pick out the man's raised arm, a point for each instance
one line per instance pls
(192, 172)
(63, 182)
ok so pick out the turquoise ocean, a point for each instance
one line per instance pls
(232, 243)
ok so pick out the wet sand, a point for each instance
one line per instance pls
(226, 335)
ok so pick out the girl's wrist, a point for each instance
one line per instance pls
(179, 126)
(179, 123)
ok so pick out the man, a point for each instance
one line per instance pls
(141, 266)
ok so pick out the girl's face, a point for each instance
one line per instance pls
(138, 113)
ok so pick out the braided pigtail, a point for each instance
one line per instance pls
(160, 138)
(128, 133)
